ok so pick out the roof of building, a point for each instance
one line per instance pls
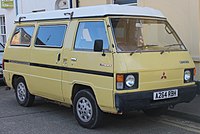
(92, 11)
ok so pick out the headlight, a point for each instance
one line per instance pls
(187, 75)
(127, 81)
(130, 81)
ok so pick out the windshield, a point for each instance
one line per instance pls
(138, 35)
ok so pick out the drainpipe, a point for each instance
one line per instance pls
(16, 7)
(71, 4)
(77, 3)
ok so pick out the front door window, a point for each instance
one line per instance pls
(88, 32)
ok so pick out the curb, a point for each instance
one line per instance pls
(190, 117)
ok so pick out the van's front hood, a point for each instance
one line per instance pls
(152, 66)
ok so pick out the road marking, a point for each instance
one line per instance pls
(186, 125)
(27, 114)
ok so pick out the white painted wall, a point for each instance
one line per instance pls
(27, 6)
(9, 19)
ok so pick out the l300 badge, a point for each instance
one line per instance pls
(105, 65)
(184, 62)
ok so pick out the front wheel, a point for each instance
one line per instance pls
(86, 110)
(23, 96)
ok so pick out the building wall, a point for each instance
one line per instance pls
(184, 16)
(9, 18)
(27, 6)
(94, 2)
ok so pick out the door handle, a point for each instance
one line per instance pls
(73, 59)
(58, 57)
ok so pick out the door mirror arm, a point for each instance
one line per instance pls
(98, 47)
(103, 54)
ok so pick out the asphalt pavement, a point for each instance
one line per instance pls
(48, 118)
(189, 111)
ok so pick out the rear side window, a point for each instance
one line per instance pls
(22, 36)
(50, 36)
(88, 32)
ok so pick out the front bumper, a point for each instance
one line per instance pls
(144, 100)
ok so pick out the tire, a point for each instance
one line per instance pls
(86, 110)
(23, 96)
(156, 111)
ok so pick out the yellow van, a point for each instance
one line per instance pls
(108, 58)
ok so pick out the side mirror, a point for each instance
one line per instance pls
(98, 46)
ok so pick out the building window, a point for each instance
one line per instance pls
(125, 1)
(2, 30)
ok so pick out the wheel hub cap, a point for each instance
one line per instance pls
(84, 109)
(21, 91)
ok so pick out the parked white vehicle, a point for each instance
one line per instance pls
(1, 57)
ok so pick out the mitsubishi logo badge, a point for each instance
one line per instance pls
(163, 76)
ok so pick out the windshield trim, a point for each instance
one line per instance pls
(145, 18)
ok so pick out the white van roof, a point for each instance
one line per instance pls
(92, 11)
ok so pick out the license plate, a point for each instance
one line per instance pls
(165, 94)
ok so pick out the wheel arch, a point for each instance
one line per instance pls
(78, 87)
(14, 79)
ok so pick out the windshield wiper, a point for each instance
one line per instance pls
(150, 45)
(137, 50)
(173, 45)
(140, 48)
(169, 46)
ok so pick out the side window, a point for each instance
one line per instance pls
(22, 36)
(88, 32)
(50, 36)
